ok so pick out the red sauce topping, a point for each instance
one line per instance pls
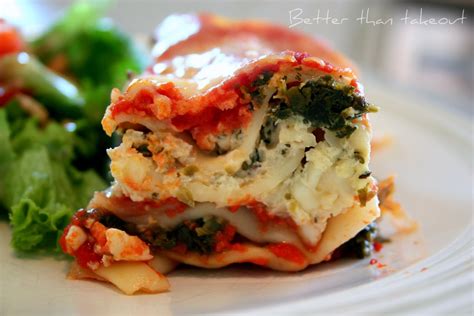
(213, 121)
(265, 218)
(378, 246)
(76, 220)
(78, 217)
(260, 210)
(175, 207)
(355, 84)
(299, 56)
(85, 255)
(288, 252)
(168, 89)
(126, 207)
(62, 240)
(233, 208)
(238, 247)
(381, 265)
(224, 237)
(140, 104)
(324, 66)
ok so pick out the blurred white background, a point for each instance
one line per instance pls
(435, 61)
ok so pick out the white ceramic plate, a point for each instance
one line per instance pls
(429, 271)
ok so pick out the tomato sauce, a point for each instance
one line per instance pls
(213, 121)
(85, 255)
(175, 207)
(238, 247)
(258, 261)
(266, 218)
(287, 252)
(260, 210)
(62, 240)
(223, 238)
(124, 206)
(378, 246)
(140, 104)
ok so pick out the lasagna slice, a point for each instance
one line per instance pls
(243, 142)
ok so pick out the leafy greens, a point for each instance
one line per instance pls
(50, 170)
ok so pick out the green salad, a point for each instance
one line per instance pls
(53, 93)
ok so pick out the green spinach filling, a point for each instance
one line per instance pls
(323, 102)
(198, 235)
(362, 244)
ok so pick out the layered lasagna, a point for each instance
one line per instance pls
(242, 142)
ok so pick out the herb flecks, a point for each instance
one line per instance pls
(190, 170)
(253, 161)
(358, 156)
(365, 195)
(269, 132)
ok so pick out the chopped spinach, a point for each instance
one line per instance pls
(254, 160)
(324, 103)
(158, 237)
(269, 132)
(197, 235)
(255, 86)
(361, 245)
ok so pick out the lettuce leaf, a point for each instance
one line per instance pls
(54, 137)
(45, 172)
(43, 198)
(7, 156)
(39, 186)
(37, 228)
